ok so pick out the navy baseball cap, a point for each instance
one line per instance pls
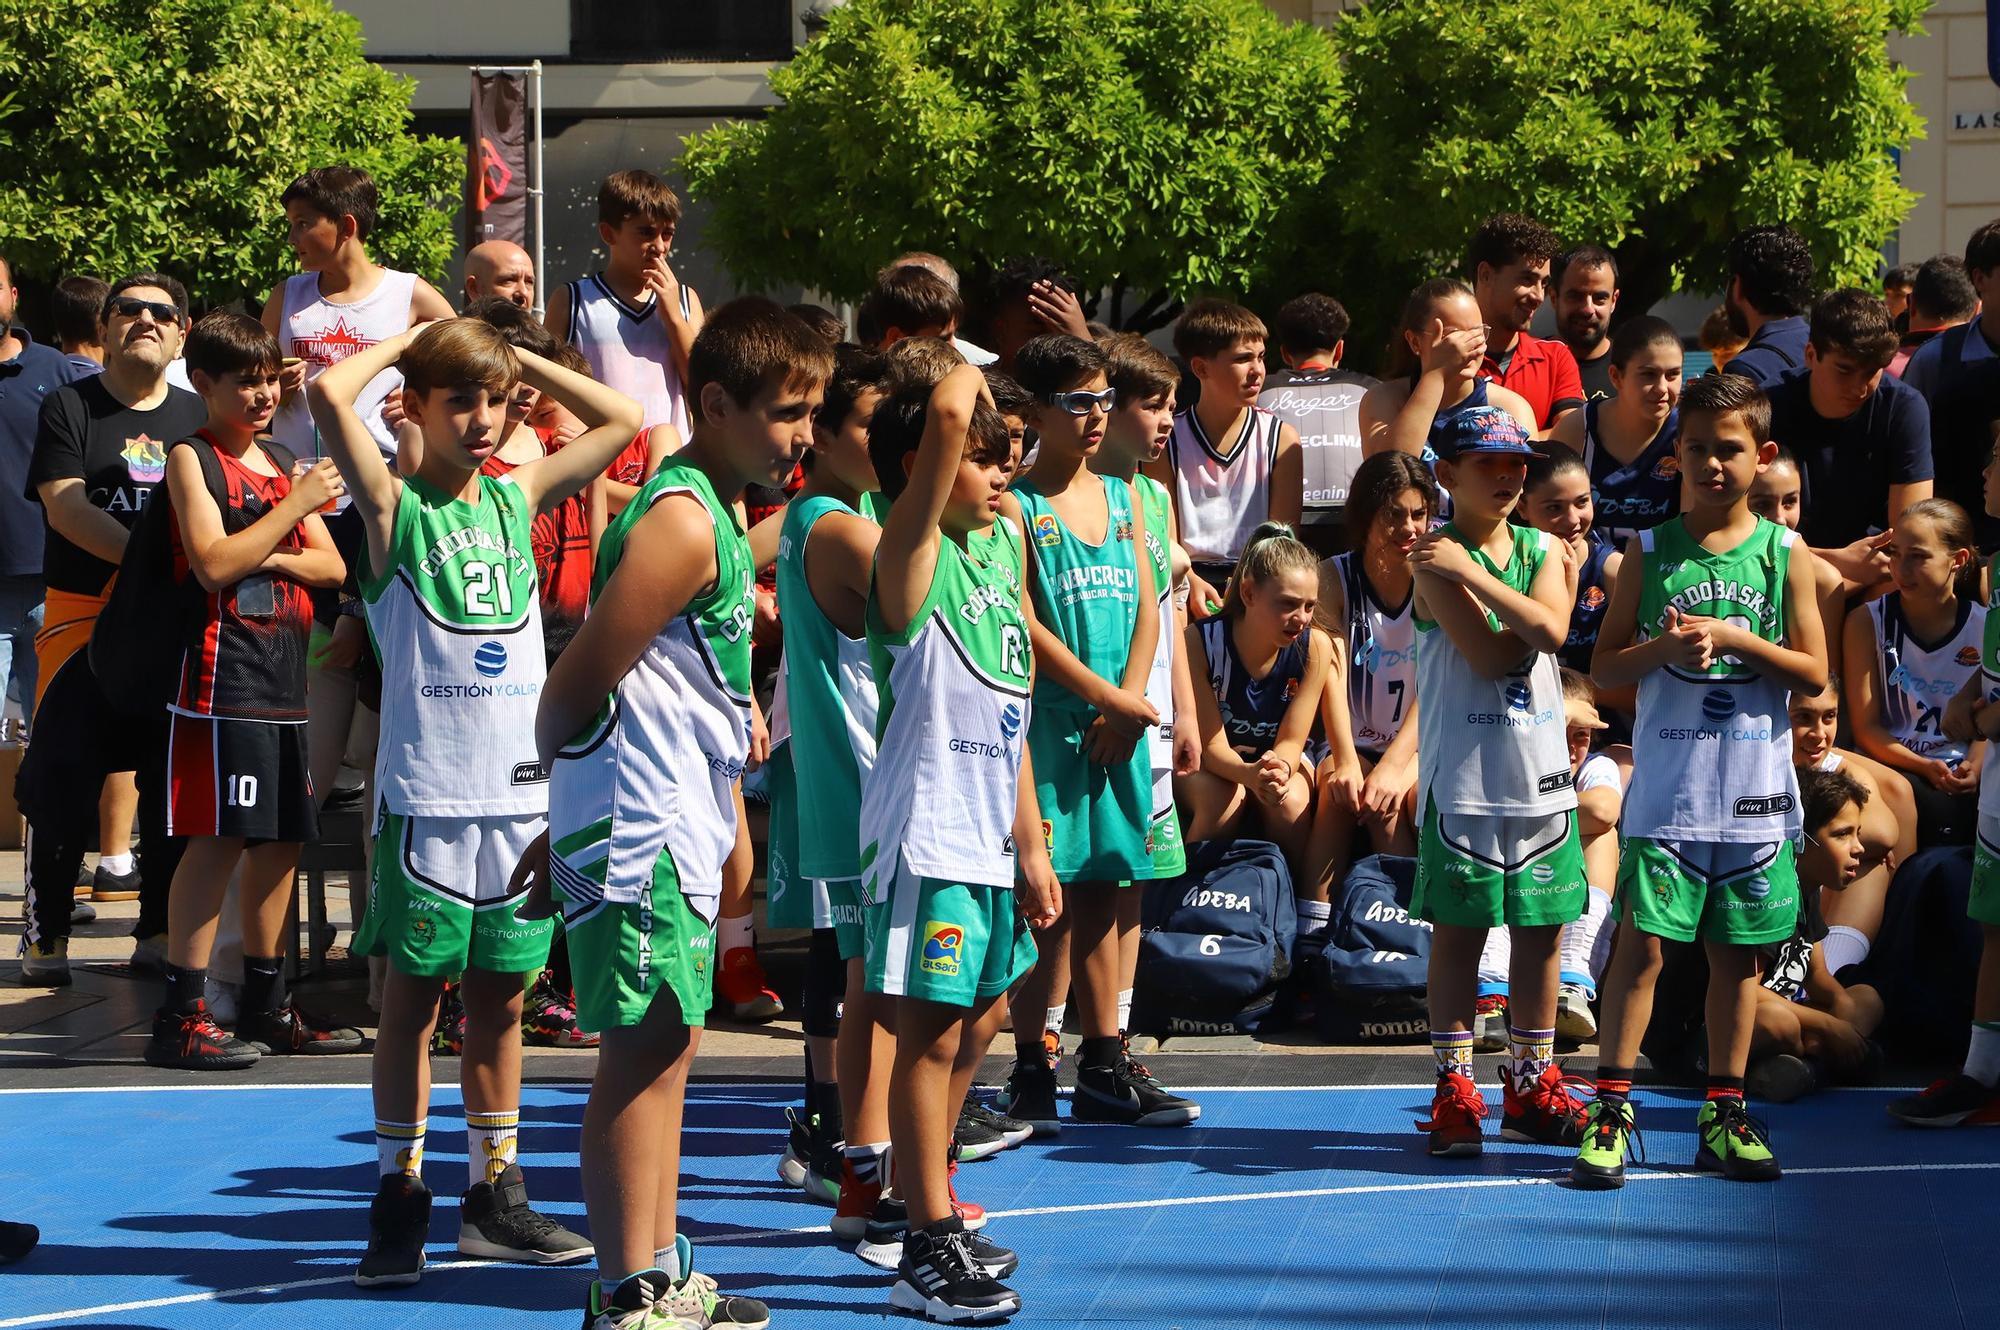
(1483, 429)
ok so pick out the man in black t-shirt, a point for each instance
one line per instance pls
(1322, 402)
(100, 451)
(1586, 295)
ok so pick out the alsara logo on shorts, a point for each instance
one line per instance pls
(943, 944)
(490, 659)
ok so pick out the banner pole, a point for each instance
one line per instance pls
(536, 193)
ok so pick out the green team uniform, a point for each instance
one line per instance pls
(937, 812)
(1984, 902)
(1163, 840)
(642, 811)
(1498, 840)
(456, 621)
(1097, 817)
(1713, 808)
(828, 686)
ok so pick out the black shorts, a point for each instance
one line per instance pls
(239, 778)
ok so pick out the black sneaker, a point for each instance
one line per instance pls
(1128, 1094)
(881, 1243)
(289, 1030)
(17, 1240)
(1012, 1130)
(939, 1278)
(494, 1221)
(108, 886)
(1783, 1078)
(1030, 1096)
(812, 1157)
(399, 1221)
(1953, 1102)
(627, 1307)
(192, 1041)
(973, 1139)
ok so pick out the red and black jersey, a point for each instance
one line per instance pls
(560, 538)
(629, 467)
(249, 660)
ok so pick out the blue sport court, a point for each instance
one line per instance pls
(199, 1206)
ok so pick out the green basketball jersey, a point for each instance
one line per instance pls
(457, 624)
(830, 701)
(1088, 595)
(1712, 749)
(954, 705)
(1169, 857)
(654, 771)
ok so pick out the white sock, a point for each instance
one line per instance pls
(735, 932)
(1579, 938)
(1314, 915)
(492, 1141)
(116, 864)
(399, 1147)
(1843, 946)
(1496, 956)
(1053, 1022)
(668, 1261)
(1982, 1059)
(1124, 1009)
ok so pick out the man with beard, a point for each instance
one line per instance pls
(1770, 288)
(500, 268)
(100, 450)
(1509, 264)
(1586, 281)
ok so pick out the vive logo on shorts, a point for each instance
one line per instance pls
(1718, 705)
(943, 945)
(490, 659)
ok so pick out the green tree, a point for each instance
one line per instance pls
(160, 133)
(1655, 127)
(1154, 147)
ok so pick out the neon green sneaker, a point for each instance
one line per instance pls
(1733, 1143)
(696, 1304)
(1600, 1160)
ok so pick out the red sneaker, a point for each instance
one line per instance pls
(740, 982)
(970, 1213)
(1456, 1112)
(1052, 1048)
(857, 1201)
(1489, 1024)
(192, 1041)
(1547, 1114)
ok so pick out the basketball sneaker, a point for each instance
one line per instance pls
(630, 1306)
(858, 1201)
(109, 886)
(695, 1301)
(1574, 1019)
(399, 1220)
(1489, 1024)
(149, 955)
(289, 1030)
(1783, 1078)
(1030, 1097)
(740, 982)
(1546, 1113)
(192, 1041)
(495, 1221)
(881, 1242)
(17, 1240)
(1052, 1048)
(1012, 1130)
(1733, 1143)
(1955, 1101)
(1457, 1109)
(548, 1018)
(45, 964)
(1608, 1128)
(1128, 1093)
(812, 1160)
(83, 912)
(972, 1139)
(939, 1277)
(448, 1040)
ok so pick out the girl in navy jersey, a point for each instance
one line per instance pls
(1259, 675)
(1558, 500)
(1627, 441)
(1364, 609)
(1908, 653)
(1430, 375)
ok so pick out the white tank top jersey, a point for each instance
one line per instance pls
(1492, 747)
(627, 348)
(1160, 677)
(1382, 658)
(322, 333)
(1918, 681)
(1222, 498)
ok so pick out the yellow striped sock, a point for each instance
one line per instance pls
(399, 1147)
(491, 1142)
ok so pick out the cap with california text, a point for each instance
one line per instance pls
(1483, 429)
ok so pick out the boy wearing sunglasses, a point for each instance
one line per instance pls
(1095, 624)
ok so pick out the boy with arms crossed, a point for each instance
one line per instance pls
(1713, 615)
(449, 584)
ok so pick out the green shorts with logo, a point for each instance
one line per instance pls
(1096, 818)
(1983, 905)
(945, 942)
(1165, 848)
(1482, 871)
(440, 903)
(624, 954)
(1744, 895)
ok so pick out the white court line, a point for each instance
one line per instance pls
(1155, 1203)
(698, 1087)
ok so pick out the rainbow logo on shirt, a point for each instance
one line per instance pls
(145, 460)
(1046, 530)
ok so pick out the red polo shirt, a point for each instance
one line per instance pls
(1542, 371)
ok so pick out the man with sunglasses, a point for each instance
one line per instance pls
(100, 451)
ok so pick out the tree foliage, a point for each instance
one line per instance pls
(1152, 145)
(1656, 127)
(159, 134)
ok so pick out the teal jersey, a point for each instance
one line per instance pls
(1088, 595)
(655, 769)
(952, 723)
(830, 704)
(457, 625)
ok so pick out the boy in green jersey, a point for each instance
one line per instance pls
(1713, 616)
(1097, 625)
(954, 868)
(1972, 1098)
(646, 725)
(449, 585)
(1135, 435)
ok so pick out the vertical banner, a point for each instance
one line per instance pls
(496, 160)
